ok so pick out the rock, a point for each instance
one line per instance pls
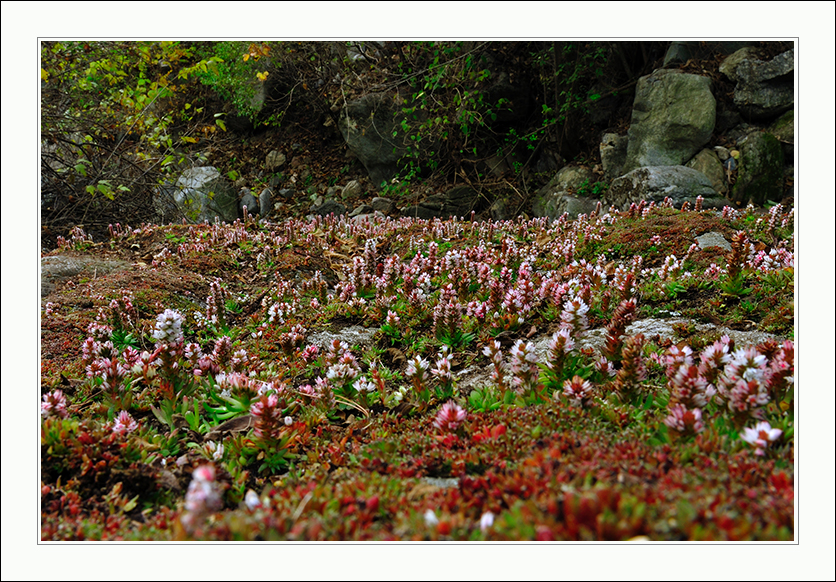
(329, 207)
(673, 118)
(457, 202)
(707, 162)
(574, 206)
(366, 125)
(248, 200)
(761, 173)
(681, 51)
(713, 239)
(384, 205)
(419, 211)
(764, 89)
(352, 190)
(59, 268)
(658, 182)
(202, 194)
(548, 200)
(274, 161)
(265, 202)
(499, 210)
(354, 336)
(362, 209)
(613, 150)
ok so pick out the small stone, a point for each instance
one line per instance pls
(275, 160)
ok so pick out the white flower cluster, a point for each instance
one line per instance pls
(169, 327)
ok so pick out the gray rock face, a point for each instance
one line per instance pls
(761, 170)
(354, 335)
(574, 206)
(203, 194)
(362, 209)
(59, 268)
(329, 207)
(713, 239)
(384, 205)
(367, 125)
(248, 200)
(673, 117)
(352, 190)
(764, 89)
(678, 183)
(613, 150)
(551, 200)
(265, 202)
(708, 162)
(457, 202)
(499, 210)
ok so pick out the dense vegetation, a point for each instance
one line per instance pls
(196, 397)
(214, 391)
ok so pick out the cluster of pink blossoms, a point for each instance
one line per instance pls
(54, 404)
(124, 423)
(744, 381)
(449, 416)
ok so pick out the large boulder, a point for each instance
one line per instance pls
(247, 199)
(558, 196)
(656, 183)
(201, 194)
(613, 150)
(761, 173)
(708, 162)
(765, 89)
(673, 118)
(367, 125)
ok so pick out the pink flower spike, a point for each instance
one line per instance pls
(124, 423)
(450, 416)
